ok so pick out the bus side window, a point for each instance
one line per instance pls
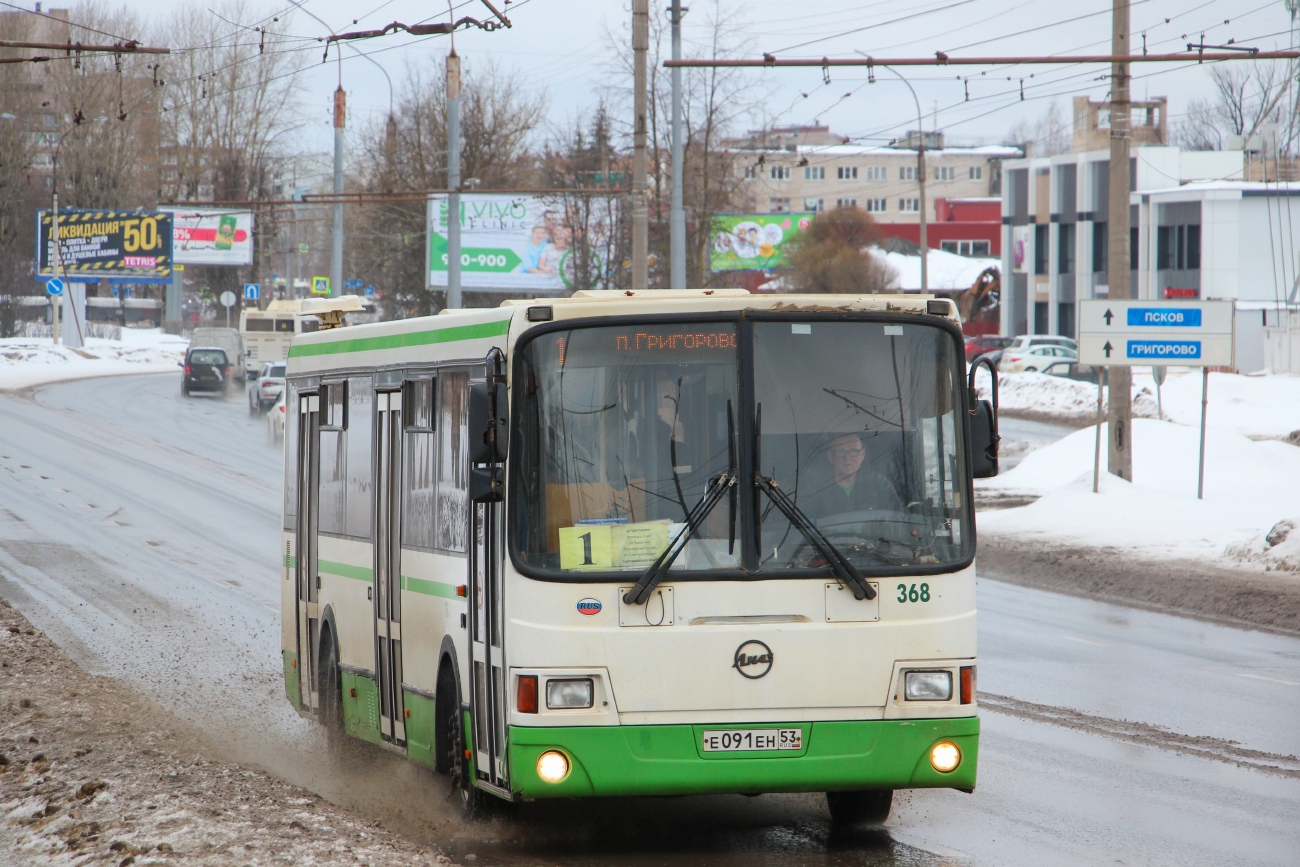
(453, 461)
(419, 487)
(360, 429)
(308, 324)
(283, 326)
(333, 494)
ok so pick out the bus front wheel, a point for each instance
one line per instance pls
(860, 808)
(453, 758)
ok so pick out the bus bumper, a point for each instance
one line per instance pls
(669, 759)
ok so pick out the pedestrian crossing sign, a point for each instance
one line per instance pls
(320, 285)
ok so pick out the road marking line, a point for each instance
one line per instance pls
(1270, 679)
(1084, 641)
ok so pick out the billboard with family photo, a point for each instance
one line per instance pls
(520, 242)
(753, 242)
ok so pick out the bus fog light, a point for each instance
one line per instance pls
(568, 694)
(553, 766)
(927, 685)
(945, 756)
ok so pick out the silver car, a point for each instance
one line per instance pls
(267, 387)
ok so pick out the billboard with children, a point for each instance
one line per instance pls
(523, 242)
(753, 242)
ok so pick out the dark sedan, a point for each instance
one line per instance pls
(206, 369)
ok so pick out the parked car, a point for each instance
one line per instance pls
(1035, 358)
(1028, 341)
(1071, 370)
(228, 339)
(266, 388)
(207, 368)
(275, 421)
(983, 344)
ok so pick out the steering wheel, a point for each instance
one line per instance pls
(807, 556)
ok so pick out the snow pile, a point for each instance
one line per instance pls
(26, 361)
(1249, 487)
(1259, 405)
(1278, 549)
(946, 270)
(1055, 398)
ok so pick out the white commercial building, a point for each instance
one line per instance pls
(1197, 231)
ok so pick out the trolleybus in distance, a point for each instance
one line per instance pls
(268, 333)
(656, 543)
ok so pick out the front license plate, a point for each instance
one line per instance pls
(744, 740)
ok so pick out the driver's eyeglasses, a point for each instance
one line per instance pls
(845, 452)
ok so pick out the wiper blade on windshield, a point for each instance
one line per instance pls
(718, 487)
(843, 568)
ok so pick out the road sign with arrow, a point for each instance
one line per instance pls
(1137, 332)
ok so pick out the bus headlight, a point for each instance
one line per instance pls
(568, 694)
(945, 756)
(927, 685)
(552, 766)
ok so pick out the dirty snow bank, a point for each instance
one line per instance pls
(28, 361)
(1249, 487)
(1278, 549)
(1044, 397)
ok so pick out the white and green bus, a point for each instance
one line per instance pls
(656, 543)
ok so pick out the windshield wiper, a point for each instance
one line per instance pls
(717, 488)
(720, 485)
(843, 568)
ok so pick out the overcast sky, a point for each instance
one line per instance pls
(563, 47)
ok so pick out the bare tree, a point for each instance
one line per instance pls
(499, 117)
(714, 101)
(1049, 134)
(1243, 99)
(834, 255)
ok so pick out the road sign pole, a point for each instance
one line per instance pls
(1096, 449)
(1200, 470)
(54, 261)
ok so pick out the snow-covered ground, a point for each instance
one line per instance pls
(946, 270)
(1251, 486)
(28, 361)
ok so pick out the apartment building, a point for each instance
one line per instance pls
(812, 169)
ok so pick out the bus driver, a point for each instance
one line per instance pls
(851, 488)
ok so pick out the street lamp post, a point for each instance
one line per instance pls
(920, 168)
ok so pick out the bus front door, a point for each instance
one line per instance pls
(306, 577)
(487, 663)
(388, 565)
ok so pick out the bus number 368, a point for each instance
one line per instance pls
(911, 594)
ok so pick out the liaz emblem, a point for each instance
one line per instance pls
(589, 606)
(753, 659)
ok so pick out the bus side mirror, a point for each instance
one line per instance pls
(983, 424)
(984, 441)
(488, 432)
(485, 484)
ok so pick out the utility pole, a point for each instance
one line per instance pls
(56, 300)
(925, 245)
(640, 209)
(1119, 414)
(677, 217)
(453, 181)
(336, 253)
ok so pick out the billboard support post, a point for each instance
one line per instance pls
(453, 181)
(54, 260)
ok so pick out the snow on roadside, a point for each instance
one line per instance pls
(28, 361)
(1249, 487)
(1054, 398)
(1278, 549)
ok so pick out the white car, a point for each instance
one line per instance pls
(1025, 342)
(1035, 358)
(267, 386)
(275, 422)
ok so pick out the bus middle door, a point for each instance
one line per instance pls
(306, 577)
(388, 564)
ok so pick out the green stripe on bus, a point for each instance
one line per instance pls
(401, 341)
(343, 570)
(430, 588)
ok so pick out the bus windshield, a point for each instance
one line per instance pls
(622, 430)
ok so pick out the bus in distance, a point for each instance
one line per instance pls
(642, 543)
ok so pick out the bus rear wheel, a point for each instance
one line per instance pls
(330, 690)
(453, 759)
(860, 808)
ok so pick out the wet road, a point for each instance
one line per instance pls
(140, 530)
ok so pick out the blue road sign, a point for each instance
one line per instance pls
(353, 284)
(122, 291)
(252, 291)
(54, 286)
(370, 290)
(1182, 349)
(1164, 317)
